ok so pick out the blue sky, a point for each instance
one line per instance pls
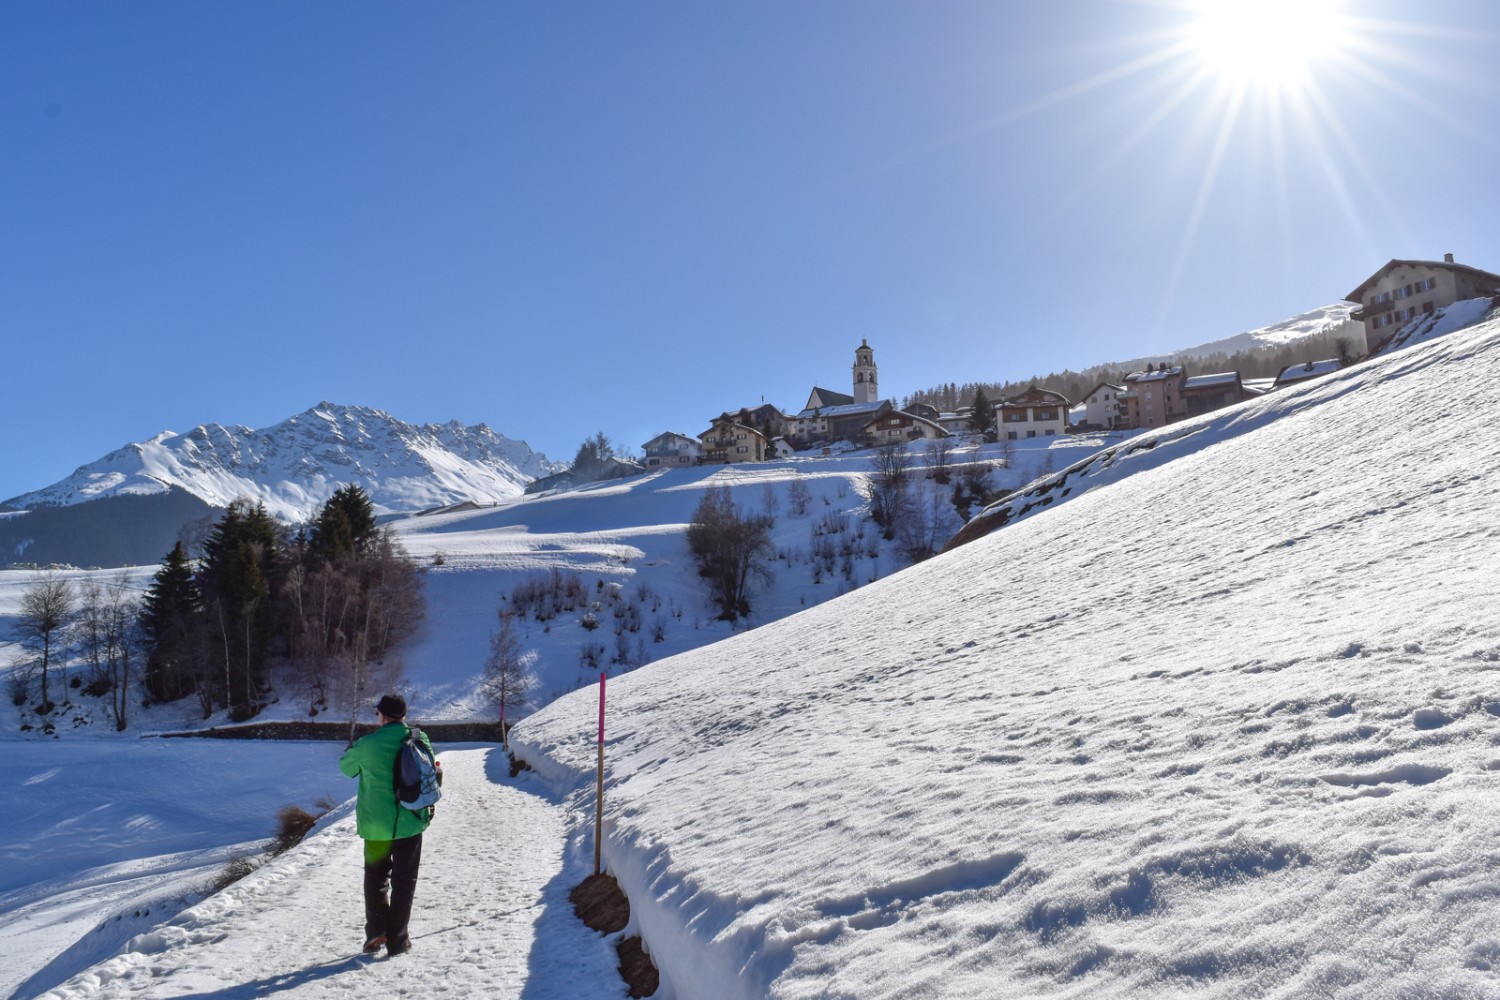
(561, 218)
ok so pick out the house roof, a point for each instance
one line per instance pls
(718, 421)
(1206, 381)
(1104, 385)
(1359, 292)
(914, 418)
(829, 397)
(1306, 370)
(667, 435)
(1155, 375)
(1035, 397)
(849, 410)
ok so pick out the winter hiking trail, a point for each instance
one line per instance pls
(492, 915)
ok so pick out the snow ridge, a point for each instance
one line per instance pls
(295, 465)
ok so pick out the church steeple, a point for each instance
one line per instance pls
(866, 385)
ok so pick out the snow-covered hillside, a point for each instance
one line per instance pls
(298, 463)
(1225, 727)
(1331, 319)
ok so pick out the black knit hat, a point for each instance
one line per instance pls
(392, 706)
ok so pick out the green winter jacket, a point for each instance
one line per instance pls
(372, 759)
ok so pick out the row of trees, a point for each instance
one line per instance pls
(97, 622)
(330, 600)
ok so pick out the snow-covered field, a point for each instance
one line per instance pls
(1223, 721)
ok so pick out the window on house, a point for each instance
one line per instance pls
(1031, 434)
(1426, 308)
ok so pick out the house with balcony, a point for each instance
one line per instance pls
(671, 450)
(1032, 414)
(728, 442)
(900, 426)
(1403, 290)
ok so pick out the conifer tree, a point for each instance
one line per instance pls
(236, 578)
(982, 416)
(346, 524)
(171, 621)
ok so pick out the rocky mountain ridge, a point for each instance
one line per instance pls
(294, 465)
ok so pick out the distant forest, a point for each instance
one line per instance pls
(1262, 362)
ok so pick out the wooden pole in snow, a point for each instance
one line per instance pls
(599, 792)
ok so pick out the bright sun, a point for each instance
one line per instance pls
(1271, 44)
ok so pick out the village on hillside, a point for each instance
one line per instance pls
(1395, 295)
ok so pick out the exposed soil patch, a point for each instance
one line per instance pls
(601, 905)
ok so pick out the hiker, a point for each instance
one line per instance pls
(391, 832)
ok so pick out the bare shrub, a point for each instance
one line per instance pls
(292, 824)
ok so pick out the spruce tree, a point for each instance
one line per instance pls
(982, 416)
(346, 524)
(171, 621)
(238, 575)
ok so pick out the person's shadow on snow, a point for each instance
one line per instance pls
(271, 985)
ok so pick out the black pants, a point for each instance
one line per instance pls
(390, 863)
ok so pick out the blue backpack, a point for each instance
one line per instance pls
(418, 780)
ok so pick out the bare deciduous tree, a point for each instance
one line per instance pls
(729, 546)
(798, 496)
(47, 607)
(939, 451)
(108, 635)
(507, 673)
(888, 487)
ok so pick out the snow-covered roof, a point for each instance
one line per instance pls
(1306, 370)
(1204, 381)
(1156, 375)
(850, 410)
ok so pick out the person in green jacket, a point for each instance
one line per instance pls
(392, 833)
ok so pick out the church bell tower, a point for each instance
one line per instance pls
(866, 388)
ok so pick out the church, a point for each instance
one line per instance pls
(859, 417)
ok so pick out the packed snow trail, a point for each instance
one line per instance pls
(492, 916)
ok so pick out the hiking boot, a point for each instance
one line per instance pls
(374, 944)
(398, 946)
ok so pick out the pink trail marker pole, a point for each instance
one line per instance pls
(599, 792)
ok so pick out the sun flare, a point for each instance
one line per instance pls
(1265, 43)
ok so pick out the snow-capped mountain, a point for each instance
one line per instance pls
(1330, 319)
(296, 464)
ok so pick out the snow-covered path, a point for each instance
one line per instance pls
(492, 916)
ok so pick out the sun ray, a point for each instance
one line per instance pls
(1200, 205)
(1124, 71)
(1415, 100)
(1191, 82)
(1328, 124)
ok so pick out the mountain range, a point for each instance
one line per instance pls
(158, 487)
